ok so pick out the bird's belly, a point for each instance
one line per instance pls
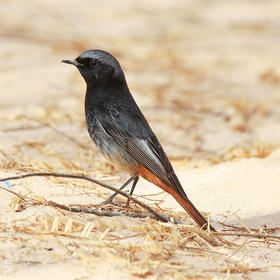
(113, 151)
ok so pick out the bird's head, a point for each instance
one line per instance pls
(97, 67)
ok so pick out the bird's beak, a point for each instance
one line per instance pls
(74, 62)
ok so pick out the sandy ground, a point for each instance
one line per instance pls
(206, 74)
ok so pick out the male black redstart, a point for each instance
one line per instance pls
(121, 132)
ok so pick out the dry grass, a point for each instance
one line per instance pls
(141, 247)
(209, 86)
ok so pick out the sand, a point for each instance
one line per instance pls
(206, 75)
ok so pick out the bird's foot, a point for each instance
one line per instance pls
(110, 201)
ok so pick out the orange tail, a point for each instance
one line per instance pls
(185, 203)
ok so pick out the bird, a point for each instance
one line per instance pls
(121, 132)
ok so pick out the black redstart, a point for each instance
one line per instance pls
(121, 132)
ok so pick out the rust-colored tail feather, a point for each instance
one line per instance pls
(184, 202)
(191, 210)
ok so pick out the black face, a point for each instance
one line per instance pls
(97, 66)
(86, 62)
(94, 70)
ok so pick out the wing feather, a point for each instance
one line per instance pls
(132, 132)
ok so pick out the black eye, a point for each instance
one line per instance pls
(86, 61)
(92, 62)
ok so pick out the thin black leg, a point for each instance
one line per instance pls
(132, 189)
(133, 178)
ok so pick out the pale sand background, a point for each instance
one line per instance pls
(205, 73)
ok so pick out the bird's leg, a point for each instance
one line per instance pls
(136, 178)
(133, 178)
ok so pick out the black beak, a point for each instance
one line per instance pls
(75, 62)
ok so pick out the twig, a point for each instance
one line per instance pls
(161, 217)
(237, 228)
(22, 128)
(255, 235)
(90, 210)
(46, 124)
(14, 193)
